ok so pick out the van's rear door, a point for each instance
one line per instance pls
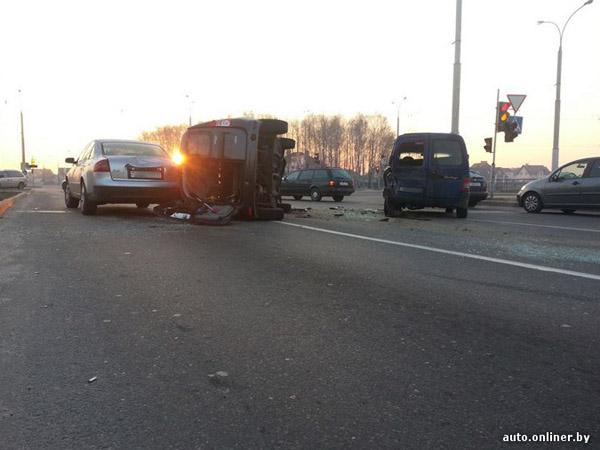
(449, 166)
(409, 168)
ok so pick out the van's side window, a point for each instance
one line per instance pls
(447, 153)
(411, 154)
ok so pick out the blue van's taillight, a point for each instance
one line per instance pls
(465, 185)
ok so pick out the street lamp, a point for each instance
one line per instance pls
(190, 102)
(398, 104)
(558, 78)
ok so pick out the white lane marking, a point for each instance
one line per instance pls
(536, 225)
(450, 252)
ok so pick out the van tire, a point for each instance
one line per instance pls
(461, 213)
(338, 198)
(390, 210)
(315, 195)
(273, 126)
(297, 197)
(269, 213)
(287, 144)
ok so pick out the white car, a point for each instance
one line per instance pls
(12, 179)
(119, 171)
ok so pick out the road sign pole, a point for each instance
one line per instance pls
(492, 180)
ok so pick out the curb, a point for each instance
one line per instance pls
(8, 203)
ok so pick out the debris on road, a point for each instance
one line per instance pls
(91, 380)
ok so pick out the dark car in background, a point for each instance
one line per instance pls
(478, 188)
(575, 185)
(318, 183)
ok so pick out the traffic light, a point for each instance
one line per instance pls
(510, 132)
(503, 115)
(488, 145)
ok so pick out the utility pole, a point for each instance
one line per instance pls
(456, 83)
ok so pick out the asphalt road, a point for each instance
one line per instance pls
(333, 329)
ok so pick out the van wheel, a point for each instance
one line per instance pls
(88, 208)
(389, 210)
(315, 195)
(287, 143)
(338, 198)
(269, 213)
(297, 197)
(70, 201)
(273, 126)
(461, 213)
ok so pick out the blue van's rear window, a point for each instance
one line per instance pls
(447, 153)
(411, 154)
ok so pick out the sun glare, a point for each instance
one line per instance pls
(177, 157)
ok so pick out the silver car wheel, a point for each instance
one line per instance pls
(532, 203)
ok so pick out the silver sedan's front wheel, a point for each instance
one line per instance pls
(532, 202)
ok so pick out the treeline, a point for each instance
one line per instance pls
(354, 144)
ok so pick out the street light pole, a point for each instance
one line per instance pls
(555, 148)
(398, 115)
(190, 101)
(456, 74)
(23, 161)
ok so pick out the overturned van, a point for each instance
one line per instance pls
(427, 170)
(237, 162)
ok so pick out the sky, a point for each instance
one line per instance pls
(83, 70)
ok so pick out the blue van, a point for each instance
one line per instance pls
(427, 170)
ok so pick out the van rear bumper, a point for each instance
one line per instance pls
(462, 201)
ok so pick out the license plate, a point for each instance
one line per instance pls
(474, 184)
(151, 173)
(343, 183)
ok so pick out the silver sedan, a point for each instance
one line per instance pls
(120, 171)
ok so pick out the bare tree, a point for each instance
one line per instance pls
(168, 136)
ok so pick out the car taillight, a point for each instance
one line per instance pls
(465, 186)
(331, 183)
(102, 166)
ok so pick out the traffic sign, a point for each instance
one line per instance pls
(516, 101)
(519, 120)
